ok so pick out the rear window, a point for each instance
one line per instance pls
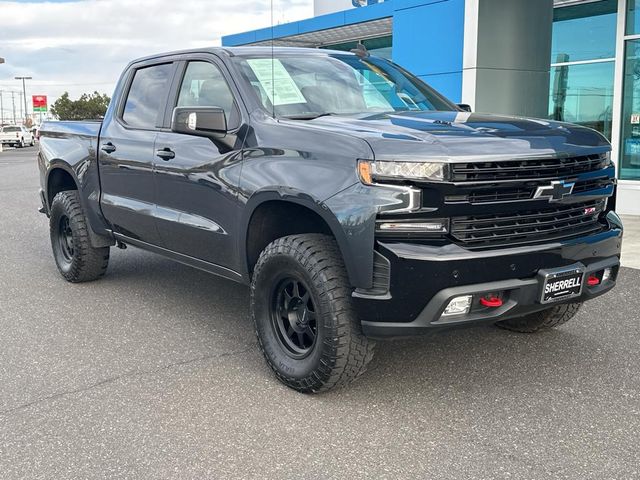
(147, 96)
(11, 129)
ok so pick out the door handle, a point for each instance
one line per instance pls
(166, 154)
(108, 147)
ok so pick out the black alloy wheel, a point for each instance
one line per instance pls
(65, 238)
(293, 314)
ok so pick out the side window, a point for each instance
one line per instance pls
(204, 86)
(147, 96)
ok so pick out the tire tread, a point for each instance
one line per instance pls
(543, 320)
(89, 263)
(348, 351)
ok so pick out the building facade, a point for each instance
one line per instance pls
(570, 60)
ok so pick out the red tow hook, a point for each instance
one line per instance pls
(491, 302)
(592, 281)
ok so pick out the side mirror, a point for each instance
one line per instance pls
(464, 107)
(201, 121)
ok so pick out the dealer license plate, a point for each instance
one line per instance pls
(561, 285)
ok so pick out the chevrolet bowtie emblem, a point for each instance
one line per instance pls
(556, 191)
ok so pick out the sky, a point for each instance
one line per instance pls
(82, 45)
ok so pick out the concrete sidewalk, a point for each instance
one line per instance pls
(631, 242)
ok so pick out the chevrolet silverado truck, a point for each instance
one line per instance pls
(357, 202)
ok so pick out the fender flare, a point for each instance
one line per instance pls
(97, 241)
(291, 195)
(59, 164)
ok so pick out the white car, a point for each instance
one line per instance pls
(16, 136)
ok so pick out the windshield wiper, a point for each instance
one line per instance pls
(309, 116)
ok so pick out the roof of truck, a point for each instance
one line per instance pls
(232, 51)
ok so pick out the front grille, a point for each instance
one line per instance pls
(529, 169)
(497, 194)
(529, 226)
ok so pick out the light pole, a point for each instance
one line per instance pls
(24, 94)
(1, 106)
(13, 106)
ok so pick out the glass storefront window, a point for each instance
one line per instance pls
(633, 17)
(630, 148)
(584, 32)
(583, 94)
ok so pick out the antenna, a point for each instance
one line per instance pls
(273, 71)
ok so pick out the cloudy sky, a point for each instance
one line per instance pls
(82, 45)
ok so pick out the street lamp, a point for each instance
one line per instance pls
(24, 94)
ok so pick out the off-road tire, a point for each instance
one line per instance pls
(82, 262)
(341, 352)
(543, 320)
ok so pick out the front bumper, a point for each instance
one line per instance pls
(424, 279)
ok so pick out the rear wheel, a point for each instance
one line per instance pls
(543, 320)
(301, 307)
(76, 259)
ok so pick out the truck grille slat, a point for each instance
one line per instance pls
(526, 169)
(503, 194)
(530, 227)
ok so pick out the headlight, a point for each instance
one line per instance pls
(372, 171)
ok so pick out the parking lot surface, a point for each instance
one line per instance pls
(153, 372)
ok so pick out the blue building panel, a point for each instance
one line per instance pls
(429, 38)
(448, 84)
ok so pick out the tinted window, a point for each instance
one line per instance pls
(11, 129)
(147, 96)
(633, 17)
(584, 32)
(204, 86)
(583, 94)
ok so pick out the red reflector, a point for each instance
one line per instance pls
(593, 281)
(492, 302)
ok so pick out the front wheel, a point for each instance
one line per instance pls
(77, 260)
(301, 306)
(543, 320)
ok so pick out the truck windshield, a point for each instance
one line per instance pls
(309, 86)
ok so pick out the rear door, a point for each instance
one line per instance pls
(197, 177)
(127, 152)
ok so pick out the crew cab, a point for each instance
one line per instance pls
(354, 200)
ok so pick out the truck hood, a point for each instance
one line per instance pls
(463, 136)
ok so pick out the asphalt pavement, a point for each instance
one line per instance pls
(153, 373)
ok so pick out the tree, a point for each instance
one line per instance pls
(89, 106)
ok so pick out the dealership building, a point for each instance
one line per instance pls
(570, 60)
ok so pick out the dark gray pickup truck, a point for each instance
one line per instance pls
(357, 202)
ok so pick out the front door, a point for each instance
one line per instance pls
(196, 177)
(126, 154)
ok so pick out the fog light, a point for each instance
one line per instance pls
(606, 275)
(413, 227)
(458, 306)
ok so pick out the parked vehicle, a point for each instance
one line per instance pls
(16, 136)
(356, 202)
